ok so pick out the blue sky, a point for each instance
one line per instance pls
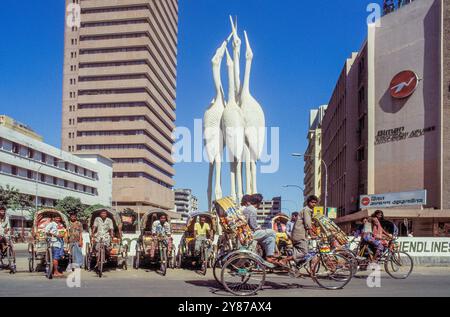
(299, 47)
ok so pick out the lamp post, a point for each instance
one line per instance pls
(294, 186)
(326, 175)
(36, 182)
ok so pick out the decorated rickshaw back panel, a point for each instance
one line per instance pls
(233, 221)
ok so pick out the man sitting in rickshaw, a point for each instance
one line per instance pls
(57, 232)
(5, 228)
(103, 230)
(202, 232)
(161, 229)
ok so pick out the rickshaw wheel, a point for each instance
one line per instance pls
(163, 260)
(49, 263)
(179, 259)
(125, 258)
(31, 258)
(87, 258)
(243, 275)
(136, 258)
(12, 260)
(100, 260)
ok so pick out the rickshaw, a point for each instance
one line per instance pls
(98, 253)
(159, 244)
(283, 243)
(397, 264)
(186, 251)
(243, 272)
(8, 256)
(40, 249)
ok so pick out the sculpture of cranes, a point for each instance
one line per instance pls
(238, 123)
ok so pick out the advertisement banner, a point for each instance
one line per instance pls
(415, 198)
(332, 213)
(318, 211)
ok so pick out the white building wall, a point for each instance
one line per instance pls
(102, 168)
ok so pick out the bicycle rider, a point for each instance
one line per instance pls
(103, 230)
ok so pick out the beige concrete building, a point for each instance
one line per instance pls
(386, 129)
(313, 155)
(267, 210)
(119, 94)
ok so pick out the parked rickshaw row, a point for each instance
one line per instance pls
(221, 240)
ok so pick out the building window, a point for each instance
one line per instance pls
(15, 148)
(30, 153)
(43, 158)
(55, 181)
(43, 178)
(29, 174)
(14, 170)
(66, 183)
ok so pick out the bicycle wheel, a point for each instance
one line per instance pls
(31, 258)
(243, 275)
(87, 258)
(352, 258)
(137, 258)
(204, 260)
(331, 271)
(12, 260)
(163, 260)
(100, 260)
(49, 263)
(399, 265)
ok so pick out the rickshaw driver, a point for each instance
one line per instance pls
(103, 229)
(202, 231)
(161, 228)
(5, 228)
(56, 233)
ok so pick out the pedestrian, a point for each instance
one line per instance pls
(265, 238)
(302, 228)
(56, 231)
(76, 240)
(290, 224)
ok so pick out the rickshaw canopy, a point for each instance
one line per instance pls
(150, 216)
(211, 220)
(49, 213)
(113, 215)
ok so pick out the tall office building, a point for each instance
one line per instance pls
(313, 155)
(386, 133)
(119, 94)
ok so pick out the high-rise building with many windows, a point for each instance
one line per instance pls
(120, 67)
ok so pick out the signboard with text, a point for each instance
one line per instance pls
(414, 198)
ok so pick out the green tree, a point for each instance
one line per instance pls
(70, 204)
(84, 215)
(13, 199)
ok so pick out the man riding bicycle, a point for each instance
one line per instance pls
(202, 232)
(161, 230)
(103, 230)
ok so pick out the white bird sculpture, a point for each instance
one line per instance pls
(254, 120)
(233, 129)
(213, 135)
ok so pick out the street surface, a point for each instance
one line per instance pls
(425, 281)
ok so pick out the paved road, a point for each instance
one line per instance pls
(180, 283)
